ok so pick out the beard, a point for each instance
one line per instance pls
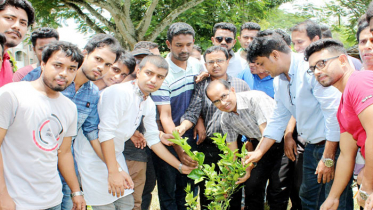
(56, 88)
(181, 56)
(90, 77)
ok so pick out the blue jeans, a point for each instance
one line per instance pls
(58, 207)
(67, 203)
(171, 184)
(314, 194)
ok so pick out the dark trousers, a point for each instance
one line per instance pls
(270, 168)
(149, 182)
(171, 184)
(296, 172)
(212, 152)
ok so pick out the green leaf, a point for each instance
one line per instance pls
(201, 158)
(196, 174)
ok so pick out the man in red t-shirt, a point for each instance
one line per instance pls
(329, 63)
(15, 17)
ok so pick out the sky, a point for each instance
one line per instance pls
(69, 33)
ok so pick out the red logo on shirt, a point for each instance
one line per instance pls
(47, 136)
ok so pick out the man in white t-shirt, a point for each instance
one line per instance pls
(36, 126)
(120, 109)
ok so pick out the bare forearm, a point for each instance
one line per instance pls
(67, 170)
(330, 149)
(368, 178)
(108, 151)
(97, 148)
(264, 145)
(187, 124)
(345, 167)
(3, 188)
(167, 124)
(291, 126)
(232, 146)
(160, 150)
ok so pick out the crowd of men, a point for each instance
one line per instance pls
(91, 127)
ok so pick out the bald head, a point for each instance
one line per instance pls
(222, 95)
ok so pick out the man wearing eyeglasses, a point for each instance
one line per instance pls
(225, 36)
(314, 107)
(329, 63)
(217, 61)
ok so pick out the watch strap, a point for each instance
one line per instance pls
(79, 193)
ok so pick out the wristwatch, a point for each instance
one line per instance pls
(328, 162)
(77, 194)
(363, 195)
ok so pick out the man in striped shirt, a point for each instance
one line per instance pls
(172, 99)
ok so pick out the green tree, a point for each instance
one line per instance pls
(136, 20)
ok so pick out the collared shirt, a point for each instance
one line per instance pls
(6, 71)
(86, 99)
(121, 108)
(201, 105)
(235, 65)
(244, 62)
(256, 83)
(177, 88)
(253, 109)
(313, 106)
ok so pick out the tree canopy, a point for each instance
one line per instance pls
(137, 20)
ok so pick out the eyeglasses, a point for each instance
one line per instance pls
(218, 61)
(320, 65)
(223, 98)
(227, 39)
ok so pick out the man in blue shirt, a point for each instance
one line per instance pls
(314, 107)
(100, 52)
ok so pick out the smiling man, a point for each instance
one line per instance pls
(120, 108)
(329, 63)
(248, 32)
(217, 61)
(15, 17)
(295, 92)
(37, 124)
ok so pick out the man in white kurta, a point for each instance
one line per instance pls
(120, 109)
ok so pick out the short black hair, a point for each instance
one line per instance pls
(145, 44)
(216, 49)
(225, 26)
(286, 37)
(43, 33)
(102, 40)
(363, 25)
(2, 43)
(128, 59)
(226, 84)
(313, 29)
(326, 32)
(68, 48)
(250, 26)
(369, 12)
(198, 48)
(332, 45)
(156, 60)
(22, 4)
(179, 28)
(264, 46)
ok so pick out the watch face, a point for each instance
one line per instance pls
(329, 163)
(363, 195)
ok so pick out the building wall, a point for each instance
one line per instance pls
(23, 55)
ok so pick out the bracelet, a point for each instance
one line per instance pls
(181, 165)
(79, 193)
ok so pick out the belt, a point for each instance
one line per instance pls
(318, 143)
